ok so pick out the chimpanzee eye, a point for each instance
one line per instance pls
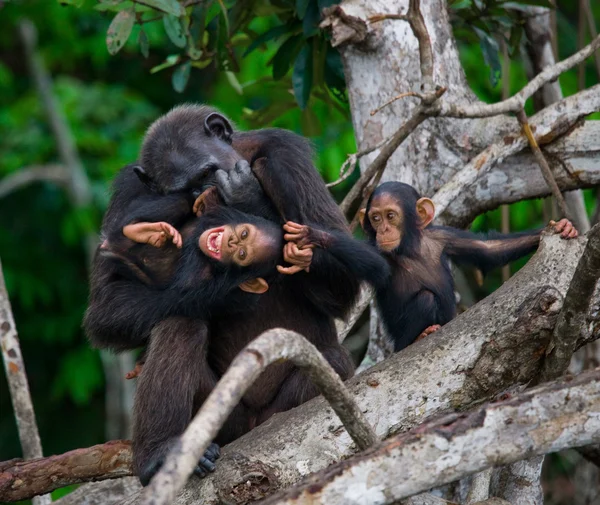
(376, 218)
(244, 234)
(242, 254)
(391, 215)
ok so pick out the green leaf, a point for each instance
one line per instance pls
(334, 70)
(233, 81)
(323, 4)
(144, 44)
(302, 76)
(460, 4)
(202, 63)
(311, 20)
(119, 30)
(491, 55)
(271, 34)
(113, 6)
(169, 62)
(181, 76)
(174, 30)
(75, 3)
(301, 6)
(168, 6)
(285, 56)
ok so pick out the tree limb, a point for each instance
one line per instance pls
(22, 479)
(101, 493)
(273, 345)
(548, 125)
(517, 102)
(549, 418)
(17, 383)
(28, 175)
(571, 321)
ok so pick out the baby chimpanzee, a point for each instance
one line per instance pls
(420, 294)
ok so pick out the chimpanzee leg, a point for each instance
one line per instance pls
(298, 388)
(175, 378)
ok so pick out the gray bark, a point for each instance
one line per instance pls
(549, 418)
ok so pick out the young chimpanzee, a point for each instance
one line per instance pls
(222, 250)
(420, 294)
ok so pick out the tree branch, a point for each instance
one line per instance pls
(22, 479)
(17, 383)
(457, 445)
(101, 493)
(571, 321)
(273, 345)
(548, 125)
(28, 175)
(364, 298)
(544, 167)
(517, 102)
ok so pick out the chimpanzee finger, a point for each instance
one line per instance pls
(213, 452)
(293, 227)
(560, 225)
(242, 167)
(223, 184)
(294, 269)
(207, 464)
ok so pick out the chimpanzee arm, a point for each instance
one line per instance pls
(486, 251)
(132, 202)
(288, 176)
(359, 258)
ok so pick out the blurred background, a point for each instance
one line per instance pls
(265, 64)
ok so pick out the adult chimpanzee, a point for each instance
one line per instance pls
(290, 188)
(420, 296)
(223, 249)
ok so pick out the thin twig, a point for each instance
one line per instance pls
(378, 165)
(348, 166)
(516, 102)
(571, 320)
(539, 157)
(17, 383)
(273, 345)
(28, 175)
(398, 97)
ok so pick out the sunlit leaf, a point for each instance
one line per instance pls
(144, 44)
(181, 76)
(201, 63)
(233, 81)
(174, 30)
(169, 62)
(169, 6)
(303, 75)
(119, 30)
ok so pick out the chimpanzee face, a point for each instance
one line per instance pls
(243, 244)
(183, 150)
(387, 219)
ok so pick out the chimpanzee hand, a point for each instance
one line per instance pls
(137, 370)
(155, 234)
(300, 259)
(428, 331)
(206, 201)
(565, 228)
(239, 187)
(305, 236)
(202, 469)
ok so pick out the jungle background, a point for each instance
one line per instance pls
(265, 63)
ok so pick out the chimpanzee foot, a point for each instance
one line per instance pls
(428, 331)
(203, 468)
(207, 462)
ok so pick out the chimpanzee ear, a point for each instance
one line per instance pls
(361, 217)
(144, 177)
(257, 286)
(426, 211)
(218, 125)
